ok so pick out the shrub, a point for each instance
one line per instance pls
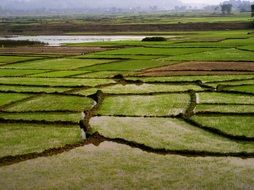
(154, 39)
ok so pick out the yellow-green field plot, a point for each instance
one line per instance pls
(53, 103)
(57, 64)
(145, 105)
(147, 127)
(172, 134)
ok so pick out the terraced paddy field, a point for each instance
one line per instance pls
(159, 115)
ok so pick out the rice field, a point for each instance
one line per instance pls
(147, 128)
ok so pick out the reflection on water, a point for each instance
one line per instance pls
(58, 40)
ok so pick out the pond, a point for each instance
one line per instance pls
(59, 40)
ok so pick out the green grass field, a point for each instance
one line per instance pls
(56, 64)
(245, 88)
(18, 139)
(240, 125)
(151, 127)
(13, 59)
(53, 103)
(156, 105)
(223, 98)
(167, 133)
(235, 108)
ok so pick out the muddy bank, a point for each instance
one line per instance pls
(46, 29)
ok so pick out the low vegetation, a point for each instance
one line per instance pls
(154, 39)
(165, 110)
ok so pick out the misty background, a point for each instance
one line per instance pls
(66, 7)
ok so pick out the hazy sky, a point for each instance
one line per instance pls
(202, 1)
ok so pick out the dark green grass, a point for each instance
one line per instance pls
(230, 54)
(13, 59)
(57, 64)
(167, 133)
(52, 116)
(233, 83)
(104, 74)
(6, 98)
(18, 72)
(224, 108)
(245, 88)
(154, 105)
(210, 78)
(17, 138)
(234, 125)
(66, 82)
(56, 74)
(220, 43)
(149, 88)
(123, 43)
(131, 65)
(117, 57)
(247, 48)
(153, 51)
(53, 103)
(6, 88)
(224, 98)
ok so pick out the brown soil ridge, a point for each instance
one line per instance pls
(63, 28)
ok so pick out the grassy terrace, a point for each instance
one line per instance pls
(13, 59)
(152, 51)
(53, 103)
(167, 133)
(245, 88)
(128, 65)
(148, 88)
(32, 89)
(16, 73)
(41, 116)
(133, 165)
(156, 105)
(223, 98)
(18, 139)
(224, 108)
(56, 64)
(183, 132)
(104, 74)
(213, 78)
(59, 82)
(240, 125)
(9, 97)
(230, 54)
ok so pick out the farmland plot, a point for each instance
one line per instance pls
(148, 104)
(139, 105)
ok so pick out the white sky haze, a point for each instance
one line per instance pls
(202, 1)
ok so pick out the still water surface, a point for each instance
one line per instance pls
(58, 40)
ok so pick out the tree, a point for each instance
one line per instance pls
(252, 10)
(226, 9)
